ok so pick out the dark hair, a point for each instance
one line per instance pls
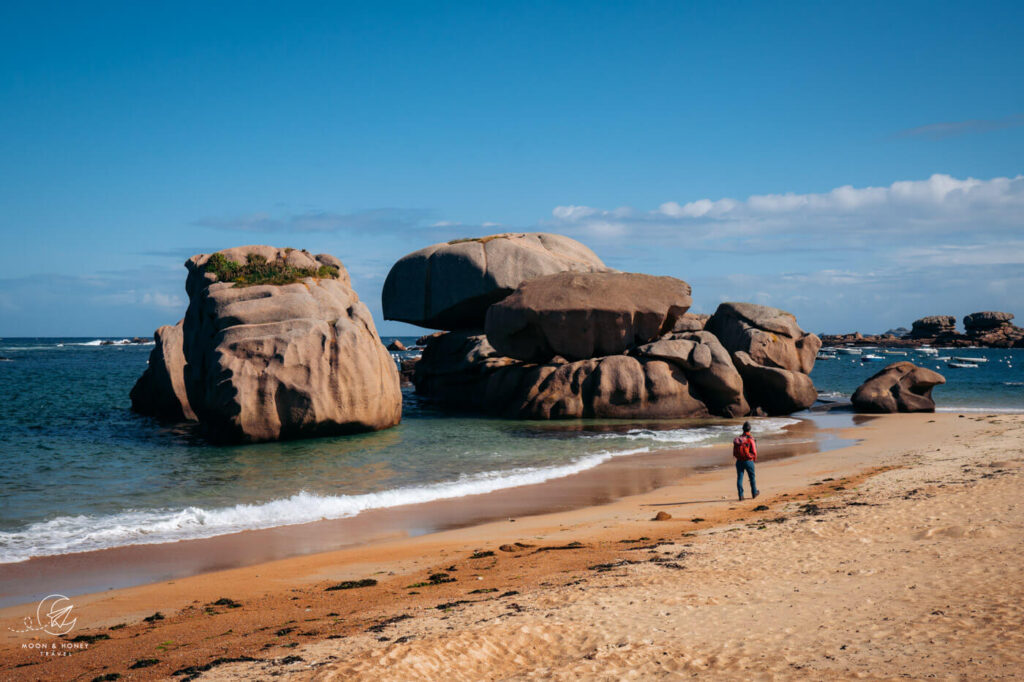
(746, 427)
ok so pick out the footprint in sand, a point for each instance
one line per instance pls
(957, 532)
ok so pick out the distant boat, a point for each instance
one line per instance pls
(826, 356)
(849, 351)
(943, 358)
(961, 365)
(928, 351)
(894, 352)
(974, 361)
(871, 357)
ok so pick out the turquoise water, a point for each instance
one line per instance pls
(82, 472)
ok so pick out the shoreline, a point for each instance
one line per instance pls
(620, 476)
(293, 590)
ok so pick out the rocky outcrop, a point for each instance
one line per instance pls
(933, 326)
(572, 345)
(990, 329)
(770, 336)
(691, 322)
(397, 346)
(585, 315)
(709, 368)
(462, 370)
(900, 387)
(451, 285)
(160, 391)
(272, 361)
(993, 329)
(772, 390)
(985, 321)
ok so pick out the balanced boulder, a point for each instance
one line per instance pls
(275, 344)
(585, 315)
(986, 321)
(900, 387)
(932, 326)
(450, 285)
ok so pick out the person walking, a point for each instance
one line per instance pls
(744, 449)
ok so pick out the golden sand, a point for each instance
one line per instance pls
(898, 557)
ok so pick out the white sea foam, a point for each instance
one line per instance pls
(100, 342)
(708, 434)
(983, 410)
(68, 534)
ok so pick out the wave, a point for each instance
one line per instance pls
(69, 534)
(109, 342)
(708, 434)
(1013, 383)
(995, 409)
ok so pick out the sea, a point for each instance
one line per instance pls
(81, 472)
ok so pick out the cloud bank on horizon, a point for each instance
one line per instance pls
(851, 258)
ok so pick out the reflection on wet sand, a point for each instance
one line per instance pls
(617, 478)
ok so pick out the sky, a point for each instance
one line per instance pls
(858, 164)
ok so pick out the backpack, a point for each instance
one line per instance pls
(743, 449)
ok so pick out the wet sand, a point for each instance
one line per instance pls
(620, 477)
(895, 557)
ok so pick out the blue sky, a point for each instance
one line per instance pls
(856, 163)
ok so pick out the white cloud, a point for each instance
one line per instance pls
(162, 300)
(941, 204)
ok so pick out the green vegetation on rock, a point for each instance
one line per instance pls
(258, 270)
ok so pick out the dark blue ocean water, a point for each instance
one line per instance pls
(82, 472)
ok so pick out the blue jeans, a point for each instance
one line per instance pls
(748, 467)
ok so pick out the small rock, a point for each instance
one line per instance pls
(662, 516)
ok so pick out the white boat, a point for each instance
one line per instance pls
(973, 361)
(822, 355)
(894, 352)
(944, 358)
(871, 357)
(961, 365)
(849, 351)
(928, 351)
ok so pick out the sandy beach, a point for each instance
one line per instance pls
(895, 557)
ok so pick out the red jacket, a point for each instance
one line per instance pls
(744, 448)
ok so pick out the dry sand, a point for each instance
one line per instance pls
(898, 557)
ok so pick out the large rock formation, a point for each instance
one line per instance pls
(160, 391)
(272, 361)
(772, 353)
(772, 390)
(709, 368)
(462, 370)
(900, 387)
(602, 344)
(994, 329)
(986, 321)
(450, 285)
(585, 315)
(770, 336)
(933, 326)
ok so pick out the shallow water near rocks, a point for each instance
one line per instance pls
(82, 472)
